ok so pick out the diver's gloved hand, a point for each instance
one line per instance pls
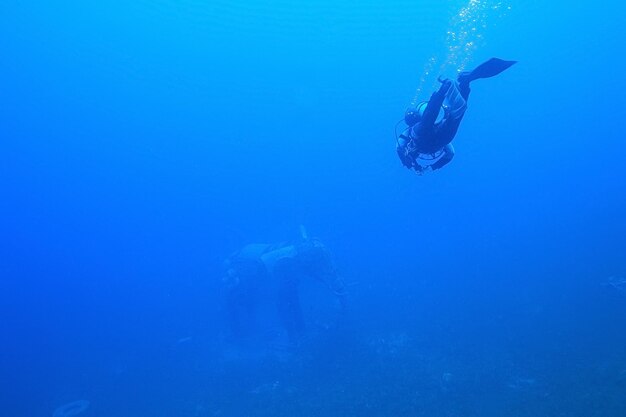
(445, 85)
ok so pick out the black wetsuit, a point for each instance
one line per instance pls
(430, 136)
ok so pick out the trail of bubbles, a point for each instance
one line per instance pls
(428, 69)
(464, 36)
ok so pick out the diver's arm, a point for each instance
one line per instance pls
(402, 151)
(448, 154)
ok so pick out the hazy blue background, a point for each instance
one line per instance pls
(141, 142)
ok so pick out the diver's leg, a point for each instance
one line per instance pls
(448, 154)
(250, 310)
(434, 104)
(288, 302)
(290, 310)
(445, 132)
(464, 88)
(487, 69)
(235, 316)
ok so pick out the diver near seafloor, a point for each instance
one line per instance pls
(425, 144)
(280, 267)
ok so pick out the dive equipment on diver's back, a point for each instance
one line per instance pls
(414, 115)
(421, 108)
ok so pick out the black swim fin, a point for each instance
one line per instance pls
(487, 69)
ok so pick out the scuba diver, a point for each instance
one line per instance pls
(281, 267)
(425, 144)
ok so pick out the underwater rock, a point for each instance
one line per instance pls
(71, 409)
(521, 383)
(447, 381)
(183, 340)
(391, 345)
(617, 282)
(275, 387)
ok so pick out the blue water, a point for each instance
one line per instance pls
(143, 141)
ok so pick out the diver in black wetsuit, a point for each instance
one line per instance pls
(426, 138)
(280, 267)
